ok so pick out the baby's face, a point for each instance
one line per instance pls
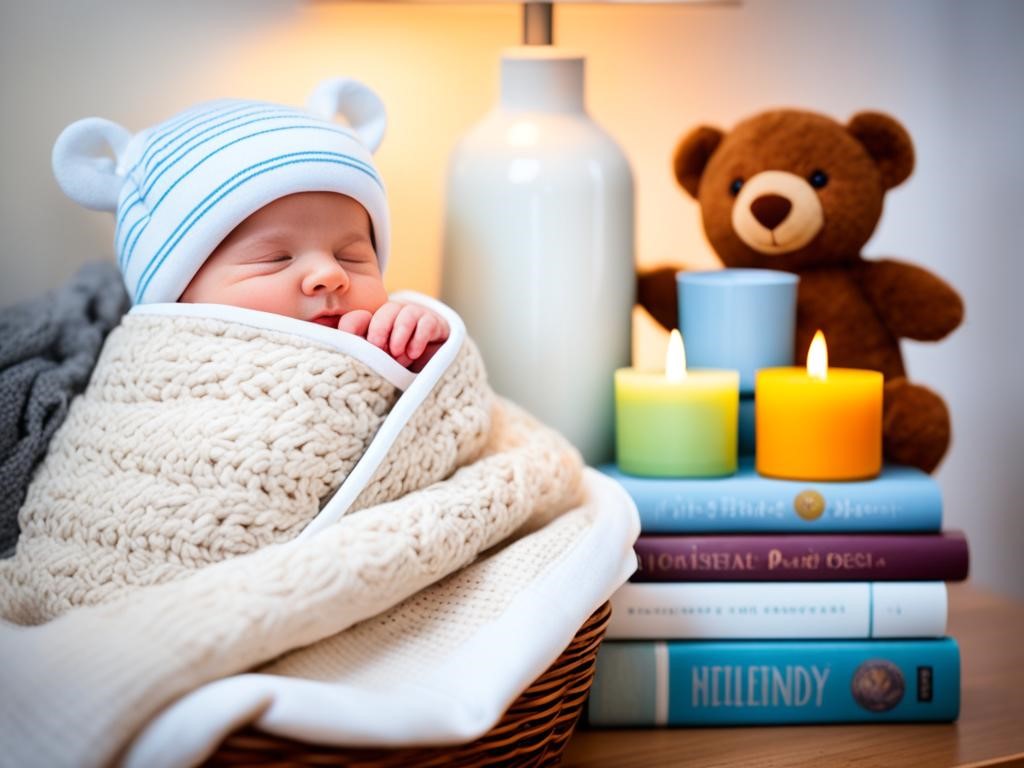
(307, 255)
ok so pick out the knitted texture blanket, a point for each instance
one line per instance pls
(48, 347)
(159, 545)
(199, 439)
(442, 666)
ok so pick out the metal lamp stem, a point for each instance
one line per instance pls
(537, 23)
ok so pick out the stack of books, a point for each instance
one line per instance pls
(762, 601)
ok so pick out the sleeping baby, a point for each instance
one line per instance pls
(310, 255)
(258, 206)
(249, 382)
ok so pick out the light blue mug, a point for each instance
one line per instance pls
(743, 319)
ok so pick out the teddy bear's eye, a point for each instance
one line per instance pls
(818, 179)
(734, 188)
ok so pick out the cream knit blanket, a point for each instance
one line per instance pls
(172, 533)
(200, 439)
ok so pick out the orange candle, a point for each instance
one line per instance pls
(820, 423)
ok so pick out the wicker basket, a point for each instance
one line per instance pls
(532, 732)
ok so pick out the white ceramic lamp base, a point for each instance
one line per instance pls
(538, 254)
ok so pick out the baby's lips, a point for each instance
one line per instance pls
(331, 321)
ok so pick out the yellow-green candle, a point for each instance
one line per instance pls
(676, 423)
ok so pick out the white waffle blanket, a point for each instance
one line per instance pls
(350, 607)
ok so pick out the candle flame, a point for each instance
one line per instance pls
(675, 357)
(817, 357)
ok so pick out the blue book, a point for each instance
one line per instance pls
(900, 499)
(654, 682)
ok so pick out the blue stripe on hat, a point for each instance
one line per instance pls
(139, 196)
(195, 215)
(189, 143)
(201, 119)
(124, 214)
(190, 114)
(123, 256)
(182, 136)
(182, 122)
(290, 115)
(126, 253)
(185, 123)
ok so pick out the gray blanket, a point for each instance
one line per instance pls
(48, 347)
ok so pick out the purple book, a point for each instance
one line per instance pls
(820, 557)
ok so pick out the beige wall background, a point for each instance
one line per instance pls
(948, 69)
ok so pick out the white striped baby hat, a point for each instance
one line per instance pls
(180, 187)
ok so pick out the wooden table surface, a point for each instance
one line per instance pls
(990, 731)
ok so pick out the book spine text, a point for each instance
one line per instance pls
(778, 610)
(732, 683)
(824, 557)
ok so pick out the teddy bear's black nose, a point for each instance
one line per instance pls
(771, 210)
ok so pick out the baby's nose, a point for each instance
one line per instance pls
(324, 274)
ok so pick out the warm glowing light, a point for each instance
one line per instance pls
(817, 357)
(523, 133)
(675, 357)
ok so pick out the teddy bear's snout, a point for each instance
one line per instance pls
(771, 210)
(777, 212)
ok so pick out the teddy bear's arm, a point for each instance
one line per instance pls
(911, 301)
(656, 292)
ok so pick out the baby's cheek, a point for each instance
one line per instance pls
(264, 294)
(367, 293)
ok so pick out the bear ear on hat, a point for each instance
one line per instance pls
(361, 107)
(888, 143)
(692, 155)
(86, 162)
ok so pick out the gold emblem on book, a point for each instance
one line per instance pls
(809, 504)
(878, 685)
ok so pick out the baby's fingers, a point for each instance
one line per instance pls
(405, 325)
(383, 321)
(429, 328)
(357, 321)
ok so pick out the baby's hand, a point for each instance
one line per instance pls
(408, 332)
(357, 321)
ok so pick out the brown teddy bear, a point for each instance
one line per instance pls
(800, 192)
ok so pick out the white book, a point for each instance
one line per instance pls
(767, 610)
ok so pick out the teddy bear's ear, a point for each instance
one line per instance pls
(692, 155)
(887, 142)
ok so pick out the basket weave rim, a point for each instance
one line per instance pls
(533, 731)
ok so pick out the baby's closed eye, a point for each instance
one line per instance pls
(357, 255)
(261, 257)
